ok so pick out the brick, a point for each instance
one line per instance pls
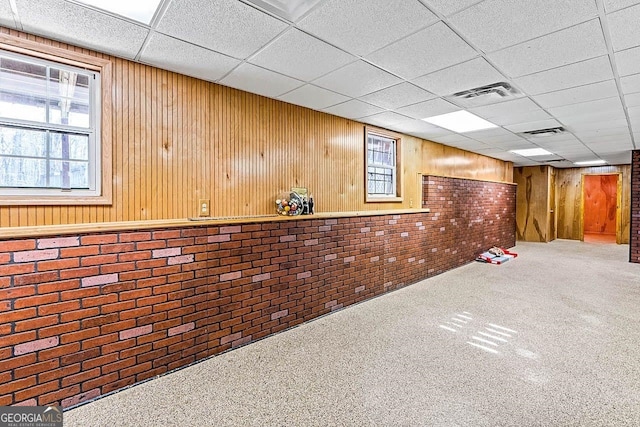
(181, 329)
(35, 301)
(231, 229)
(81, 397)
(180, 259)
(58, 242)
(28, 279)
(279, 314)
(58, 264)
(98, 260)
(16, 315)
(80, 251)
(100, 280)
(134, 237)
(37, 345)
(17, 245)
(135, 332)
(117, 248)
(36, 368)
(219, 238)
(230, 276)
(21, 384)
(13, 269)
(163, 253)
(37, 255)
(12, 293)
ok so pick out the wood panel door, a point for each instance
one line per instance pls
(601, 213)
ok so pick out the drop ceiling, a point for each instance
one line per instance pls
(573, 64)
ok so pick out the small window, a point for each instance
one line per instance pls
(49, 128)
(382, 166)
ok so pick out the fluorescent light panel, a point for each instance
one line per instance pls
(590, 163)
(460, 121)
(138, 10)
(532, 152)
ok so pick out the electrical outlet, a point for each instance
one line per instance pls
(203, 207)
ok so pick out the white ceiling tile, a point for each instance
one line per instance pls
(353, 109)
(623, 26)
(428, 50)
(591, 125)
(628, 61)
(417, 127)
(468, 75)
(632, 100)
(613, 5)
(301, 56)
(6, 15)
(388, 118)
(578, 74)
(618, 159)
(226, 26)
(455, 139)
(81, 26)
(495, 24)
(361, 27)
(517, 106)
(429, 108)
(602, 133)
(542, 124)
(578, 120)
(357, 79)
(175, 55)
(528, 117)
(553, 50)
(449, 7)
(591, 107)
(398, 96)
(313, 97)
(578, 94)
(432, 133)
(254, 79)
(634, 114)
(630, 84)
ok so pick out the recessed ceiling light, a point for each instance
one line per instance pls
(532, 152)
(287, 9)
(460, 121)
(590, 163)
(138, 10)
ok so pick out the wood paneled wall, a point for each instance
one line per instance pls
(533, 220)
(177, 139)
(569, 197)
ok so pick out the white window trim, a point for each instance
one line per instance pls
(397, 178)
(102, 152)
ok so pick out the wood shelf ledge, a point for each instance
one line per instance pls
(103, 227)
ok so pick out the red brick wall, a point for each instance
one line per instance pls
(468, 218)
(634, 242)
(85, 315)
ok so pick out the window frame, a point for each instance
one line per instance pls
(397, 170)
(102, 194)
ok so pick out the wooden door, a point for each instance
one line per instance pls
(601, 205)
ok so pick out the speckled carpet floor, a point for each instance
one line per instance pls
(551, 338)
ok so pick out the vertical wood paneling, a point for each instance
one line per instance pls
(532, 203)
(569, 196)
(177, 139)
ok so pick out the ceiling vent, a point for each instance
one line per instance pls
(544, 132)
(500, 89)
(485, 95)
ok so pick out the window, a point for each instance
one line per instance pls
(382, 164)
(52, 145)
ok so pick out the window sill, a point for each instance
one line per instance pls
(384, 200)
(54, 200)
